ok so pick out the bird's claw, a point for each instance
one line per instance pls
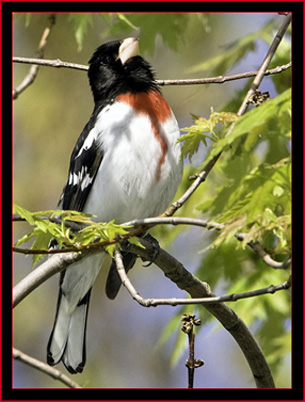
(156, 246)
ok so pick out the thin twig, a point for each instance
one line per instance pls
(57, 63)
(263, 68)
(31, 76)
(154, 302)
(176, 272)
(98, 245)
(254, 86)
(222, 79)
(44, 368)
(144, 225)
(193, 187)
(188, 328)
(210, 225)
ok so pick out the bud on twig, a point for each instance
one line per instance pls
(188, 322)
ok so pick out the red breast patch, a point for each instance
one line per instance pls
(156, 108)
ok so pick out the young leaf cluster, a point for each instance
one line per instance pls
(45, 229)
(204, 129)
(255, 192)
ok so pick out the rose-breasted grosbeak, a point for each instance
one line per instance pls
(125, 165)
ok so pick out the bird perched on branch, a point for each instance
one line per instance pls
(125, 165)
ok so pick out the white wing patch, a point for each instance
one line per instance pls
(88, 142)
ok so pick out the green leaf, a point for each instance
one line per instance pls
(234, 52)
(25, 214)
(259, 122)
(44, 230)
(204, 129)
(124, 18)
(253, 207)
(135, 240)
(148, 26)
(81, 22)
(28, 17)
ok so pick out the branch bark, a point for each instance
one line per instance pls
(31, 76)
(176, 272)
(57, 63)
(263, 68)
(44, 368)
(49, 268)
(146, 224)
(154, 302)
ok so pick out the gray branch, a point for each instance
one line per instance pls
(44, 368)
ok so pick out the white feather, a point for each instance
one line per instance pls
(128, 185)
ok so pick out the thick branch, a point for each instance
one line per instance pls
(154, 302)
(176, 272)
(49, 268)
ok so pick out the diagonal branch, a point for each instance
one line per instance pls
(176, 272)
(31, 76)
(201, 177)
(44, 368)
(154, 302)
(263, 68)
(39, 275)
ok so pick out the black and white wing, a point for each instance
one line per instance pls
(84, 164)
(68, 337)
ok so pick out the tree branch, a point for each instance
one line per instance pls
(263, 68)
(154, 302)
(176, 272)
(31, 76)
(222, 79)
(49, 268)
(57, 63)
(44, 368)
(144, 225)
(255, 85)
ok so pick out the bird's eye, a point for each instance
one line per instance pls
(106, 59)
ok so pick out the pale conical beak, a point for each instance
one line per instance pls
(128, 49)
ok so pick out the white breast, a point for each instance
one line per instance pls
(126, 186)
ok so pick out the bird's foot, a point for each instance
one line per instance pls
(156, 246)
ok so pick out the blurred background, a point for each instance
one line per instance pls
(126, 343)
